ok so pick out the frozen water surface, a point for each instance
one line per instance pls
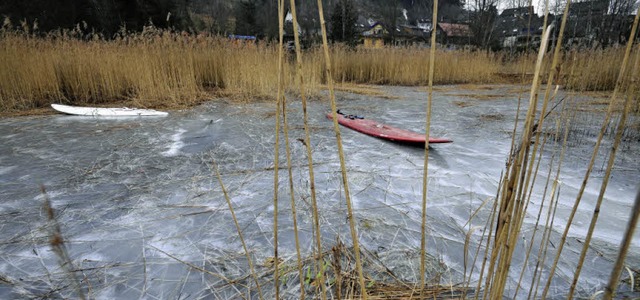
(143, 215)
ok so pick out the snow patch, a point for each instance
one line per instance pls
(176, 144)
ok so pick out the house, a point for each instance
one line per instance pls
(424, 24)
(588, 9)
(375, 29)
(373, 38)
(517, 21)
(448, 33)
(454, 34)
(412, 35)
(585, 21)
(519, 28)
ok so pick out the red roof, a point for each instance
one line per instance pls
(455, 30)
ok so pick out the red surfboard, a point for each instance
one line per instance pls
(383, 131)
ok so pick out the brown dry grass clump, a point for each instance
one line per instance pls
(405, 66)
(164, 69)
(150, 69)
(478, 96)
(594, 70)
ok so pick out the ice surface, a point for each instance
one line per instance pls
(143, 215)
(176, 145)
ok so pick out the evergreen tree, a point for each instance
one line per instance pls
(245, 14)
(105, 16)
(267, 19)
(48, 14)
(343, 22)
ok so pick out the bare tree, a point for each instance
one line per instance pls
(617, 24)
(343, 22)
(220, 11)
(448, 10)
(483, 20)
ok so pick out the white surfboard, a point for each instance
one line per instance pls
(104, 111)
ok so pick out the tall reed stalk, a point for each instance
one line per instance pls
(624, 248)
(631, 89)
(525, 174)
(56, 241)
(240, 235)
(507, 216)
(307, 142)
(343, 167)
(605, 124)
(276, 160)
(635, 212)
(425, 175)
(287, 144)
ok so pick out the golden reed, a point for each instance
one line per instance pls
(163, 69)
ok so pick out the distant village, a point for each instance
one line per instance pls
(357, 23)
(589, 25)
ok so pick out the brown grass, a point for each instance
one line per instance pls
(477, 96)
(462, 103)
(405, 66)
(491, 117)
(594, 70)
(162, 69)
(363, 89)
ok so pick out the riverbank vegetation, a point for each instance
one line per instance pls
(166, 69)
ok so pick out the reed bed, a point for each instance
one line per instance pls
(165, 69)
(405, 66)
(595, 70)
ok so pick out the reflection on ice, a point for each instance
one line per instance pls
(143, 215)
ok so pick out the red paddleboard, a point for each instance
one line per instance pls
(383, 131)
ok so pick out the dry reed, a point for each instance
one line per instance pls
(425, 168)
(624, 248)
(239, 229)
(287, 144)
(612, 156)
(521, 205)
(307, 142)
(619, 86)
(165, 69)
(57, 243)
(510, 203)
(276, 160)
(343, 167)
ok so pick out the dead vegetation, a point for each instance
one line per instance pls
(491, 117)
(462, 103)
(169, 70)
(479, 96)
(364, 89)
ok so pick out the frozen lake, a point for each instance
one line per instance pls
(140, 207)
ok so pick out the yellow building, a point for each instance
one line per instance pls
(372, 42)
(374, 37)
